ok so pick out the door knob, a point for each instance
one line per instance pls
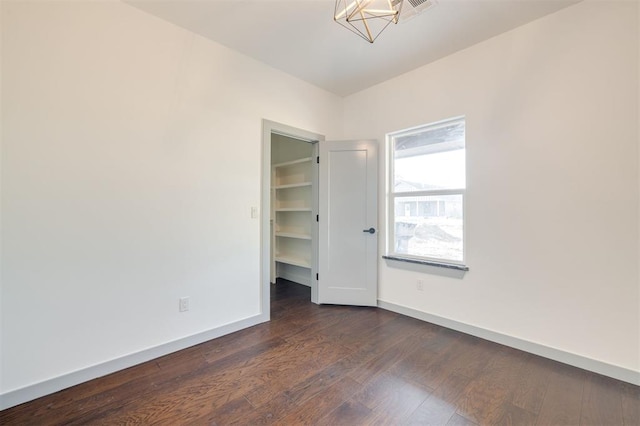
(370, 230)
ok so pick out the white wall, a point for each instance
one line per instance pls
(552, 201)
(131, 155)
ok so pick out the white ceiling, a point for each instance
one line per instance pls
(300, 37)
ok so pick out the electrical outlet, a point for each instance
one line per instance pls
(254, 212)
(420, 285)
(183, 304)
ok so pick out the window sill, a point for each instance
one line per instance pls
(428, 263)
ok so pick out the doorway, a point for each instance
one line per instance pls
(289, 206)
(293, 186)
(319, 215)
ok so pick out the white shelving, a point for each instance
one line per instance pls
(292, 206)
(293, 162)
(293, 209)
(297, 172)
(293, 185)
(293, 235)
(295, 261)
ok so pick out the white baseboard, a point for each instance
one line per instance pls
(296, 278)
(29, 393)
(614, 371)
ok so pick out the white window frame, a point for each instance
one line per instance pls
(392, 196)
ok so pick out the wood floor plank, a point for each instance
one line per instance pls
(391, 399)
(482, 400)
(563, 400)
(458, 420)
(316, 318)
(340, 365)
(349, 413)
(385, 360)
(294, 369)
(320, 381)
(367, 323)
(431, 369)
(473, 355)
(441, 405)
(510, 415)
(313, 410)
(269, 413)
(532, 384)
(488, 395)
(227, 413)
(439, 339)
(630, 404)
(350, 365)
(601, 402)
(185, 403)
(226, 345)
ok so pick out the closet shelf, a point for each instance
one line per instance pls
(293, 209)
(293, 185)
(304, 263)
(291, 163)
(293, 235)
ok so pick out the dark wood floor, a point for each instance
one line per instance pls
(335, 365)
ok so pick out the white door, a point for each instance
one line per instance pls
(348, 223)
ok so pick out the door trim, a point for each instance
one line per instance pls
(268, 128)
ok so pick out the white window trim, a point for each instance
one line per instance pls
(391, 197)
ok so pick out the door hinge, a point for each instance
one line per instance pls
(317, 218)
(318, 159)
(317, 275)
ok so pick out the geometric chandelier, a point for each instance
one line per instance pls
(367, 18)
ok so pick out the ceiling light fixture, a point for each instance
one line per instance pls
(367, 18)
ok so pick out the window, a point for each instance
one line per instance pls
(426, 196)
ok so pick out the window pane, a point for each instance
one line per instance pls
(443, 170)
(429, 226)
(430, 159)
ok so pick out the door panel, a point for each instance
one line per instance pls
(347, 206)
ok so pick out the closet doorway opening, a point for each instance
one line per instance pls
(289, 207)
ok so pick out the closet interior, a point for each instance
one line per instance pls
(292, 209)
